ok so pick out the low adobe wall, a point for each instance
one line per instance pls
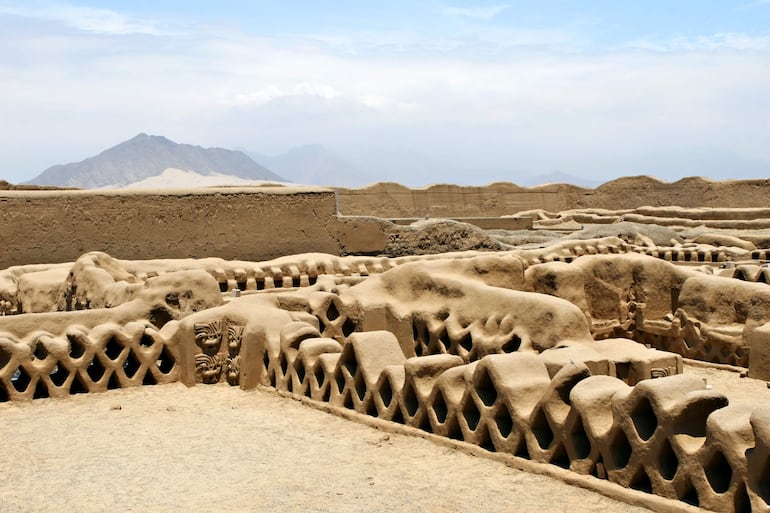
(231, 223)
(390, 200)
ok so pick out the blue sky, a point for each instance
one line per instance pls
(415, 92)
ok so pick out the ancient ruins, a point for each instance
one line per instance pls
(561, 343)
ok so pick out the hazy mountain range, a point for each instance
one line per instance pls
(146, 156)
(151, 161)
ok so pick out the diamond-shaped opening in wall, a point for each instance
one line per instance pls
(78, 386)
(371, 409)
(503, 423)
(439, 407)
(149, 379)
(284, 363)
(560, 457)
(360, 386)
(398, 417)
(512, 344)
(741, 500)
(668, 463)
(113, 348)
(59, 374)
(146, 340)
(620, 450)
(95, 370)
(485, 389)
(386, 393)
(541, 430)
(641, 481)
(644, 419)
(443, 338)
(77, 349)
(410, 401)
(20, 380)
(165, 361)
(299, 369)
(690, 495)
(41, 391)
(350, 363)
(339, 380)
(41, 353)
(466, 341)
(113, 383)
(332, 312)
(419, 331)
(347, 400)
(320, 376)
(471, 414)
(580, 441)
(131, 365)
(5, 358)
(348, 327)
(265, 361)
(718, 472)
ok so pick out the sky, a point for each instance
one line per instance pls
(416, 92)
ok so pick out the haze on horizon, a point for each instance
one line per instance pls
(413, 92)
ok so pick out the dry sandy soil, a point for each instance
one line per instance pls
(217, 448)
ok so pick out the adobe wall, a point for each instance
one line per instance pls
(231, 223)
(391, 200)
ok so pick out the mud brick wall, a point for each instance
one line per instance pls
(231, 223)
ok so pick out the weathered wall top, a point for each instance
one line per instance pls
(498, 199)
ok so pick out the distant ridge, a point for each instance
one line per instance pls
(145, 156)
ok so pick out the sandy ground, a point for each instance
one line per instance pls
(217, 448)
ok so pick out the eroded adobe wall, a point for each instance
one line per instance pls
(392, 200)
(498, 199)
(231, 223)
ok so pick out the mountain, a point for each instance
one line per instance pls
(313, 164)
(146, 156)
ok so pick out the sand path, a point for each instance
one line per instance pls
(217, 448)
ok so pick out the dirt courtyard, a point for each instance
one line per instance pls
(169, 448)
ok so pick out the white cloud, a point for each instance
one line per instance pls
(86, 19)
(484, 13)
(272, 92)
(714, 42)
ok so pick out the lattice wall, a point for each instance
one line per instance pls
(670, 436)
(84, 360)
